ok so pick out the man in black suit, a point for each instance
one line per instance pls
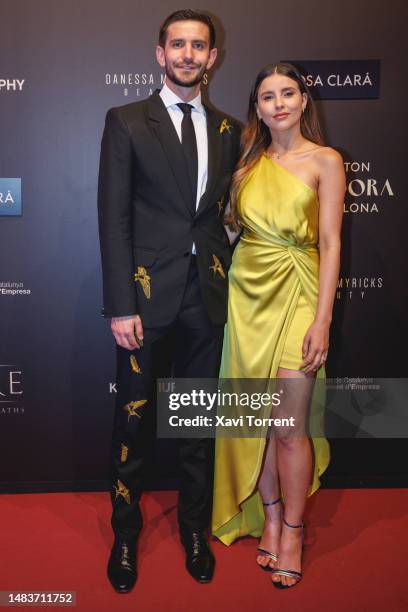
(165, 171)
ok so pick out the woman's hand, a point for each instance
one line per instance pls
(315, 347)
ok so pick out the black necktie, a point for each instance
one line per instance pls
(189, 143)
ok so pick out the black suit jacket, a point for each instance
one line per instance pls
(147, 225)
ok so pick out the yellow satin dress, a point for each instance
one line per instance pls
(273, 291)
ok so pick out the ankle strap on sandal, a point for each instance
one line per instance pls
(291, 526)
(271, 503)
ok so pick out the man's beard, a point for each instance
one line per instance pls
(170, 74)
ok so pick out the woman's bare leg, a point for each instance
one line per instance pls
(294, 462)
(270, 491)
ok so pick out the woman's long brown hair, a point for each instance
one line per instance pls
(256, 137)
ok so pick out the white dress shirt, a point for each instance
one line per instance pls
(199, 119)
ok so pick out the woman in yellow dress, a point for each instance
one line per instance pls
(287, 196)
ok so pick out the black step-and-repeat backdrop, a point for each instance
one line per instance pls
(62, 65)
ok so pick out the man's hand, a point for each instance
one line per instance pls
(125, 330)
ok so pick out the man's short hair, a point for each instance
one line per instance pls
(186, 15)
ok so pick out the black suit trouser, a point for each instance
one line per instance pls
(195, 344)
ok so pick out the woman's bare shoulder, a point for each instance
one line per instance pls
(328, 158)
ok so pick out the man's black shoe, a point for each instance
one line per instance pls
(200, 561)
(122, 571)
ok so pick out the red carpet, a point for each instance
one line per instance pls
(355, 556)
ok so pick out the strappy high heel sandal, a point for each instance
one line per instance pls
(287, 572)
(267, 553)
